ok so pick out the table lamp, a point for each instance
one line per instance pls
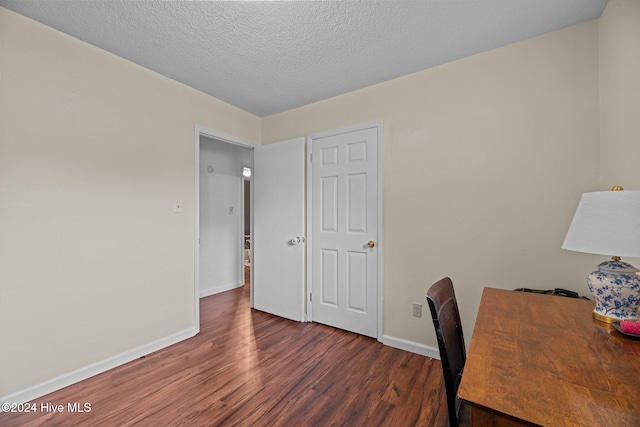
(608, 223)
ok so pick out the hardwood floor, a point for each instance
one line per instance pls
(249, 368)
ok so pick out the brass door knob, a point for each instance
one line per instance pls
(370, 243)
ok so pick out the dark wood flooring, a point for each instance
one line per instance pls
(249, 368)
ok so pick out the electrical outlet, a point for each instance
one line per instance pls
(417, 310)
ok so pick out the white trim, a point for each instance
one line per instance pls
(199, 131)
(411, 346)
(380, 243)
(308, 315)
(78, 375)
(378, 124)
(251, 257)
(219, 289)
(224, 137)
(347, 129)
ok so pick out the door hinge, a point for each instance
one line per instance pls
(311, 158)
(310, 297)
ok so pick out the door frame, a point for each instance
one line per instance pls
(200, 131)
(379, 245)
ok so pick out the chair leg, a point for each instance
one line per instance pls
(464, 416)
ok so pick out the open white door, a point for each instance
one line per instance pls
(278, 281)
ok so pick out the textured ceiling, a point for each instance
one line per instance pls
(268, 57)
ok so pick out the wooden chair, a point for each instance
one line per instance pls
(446, 320)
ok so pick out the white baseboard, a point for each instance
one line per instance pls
(65, 380)
(411, 346)
(218, 289)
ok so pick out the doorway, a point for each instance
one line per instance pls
(219, 250)
(284, 279)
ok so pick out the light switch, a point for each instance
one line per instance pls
(230, 210)
(178, 207)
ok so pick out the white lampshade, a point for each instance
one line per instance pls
(606, 223)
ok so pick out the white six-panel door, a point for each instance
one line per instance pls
(344, 230)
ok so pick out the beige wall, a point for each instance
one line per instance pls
(94, 151)
(485, 160)
(619, 28)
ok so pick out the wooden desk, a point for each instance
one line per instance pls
(542, 360)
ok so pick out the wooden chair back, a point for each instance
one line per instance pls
(446, 320)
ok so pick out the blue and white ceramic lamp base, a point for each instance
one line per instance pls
(616, 289)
